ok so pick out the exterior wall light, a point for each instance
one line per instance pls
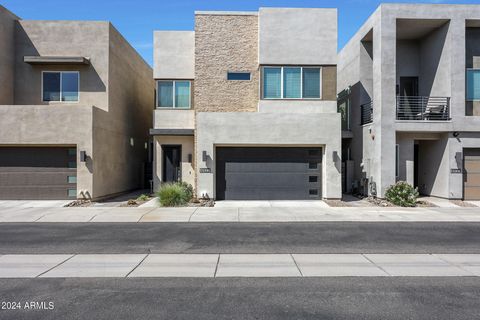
(83, 156)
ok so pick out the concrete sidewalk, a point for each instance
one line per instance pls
(233, 214)
(239, 265)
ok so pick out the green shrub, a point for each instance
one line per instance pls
(402, 194)
(143, 197)
(175, 194)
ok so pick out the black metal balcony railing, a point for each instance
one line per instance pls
(366, 113)
(423, 108)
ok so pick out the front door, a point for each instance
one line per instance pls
(171, 163)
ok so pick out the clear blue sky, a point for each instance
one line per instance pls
(136, 19)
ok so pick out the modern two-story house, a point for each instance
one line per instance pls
(409, 92)
(75, 110)
(246, 105)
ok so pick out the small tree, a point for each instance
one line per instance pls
(402, 194)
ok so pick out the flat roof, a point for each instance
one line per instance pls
(228, 13)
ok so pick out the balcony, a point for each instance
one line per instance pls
(423, 108)
(366, 113)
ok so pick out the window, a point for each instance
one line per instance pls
(312, 179)
(72, 179)
(238, 76)
(291, 82)
(173, 94)
(473, 84)
(60, 86)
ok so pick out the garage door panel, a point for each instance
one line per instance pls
(471, 172)
(268, 173)
(268, 179)
(270, 194)
(33, 173)
(472, 179)
(35, 178)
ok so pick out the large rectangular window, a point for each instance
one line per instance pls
(173, 94)
(60, 86)
(473, 84)
(291, 82)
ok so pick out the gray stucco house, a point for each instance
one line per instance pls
(75, 109)
(409, 92)
(246, 105)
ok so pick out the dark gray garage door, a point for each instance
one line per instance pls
(268, 173)
(38, 173)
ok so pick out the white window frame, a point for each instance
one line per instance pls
(301, 82)
(466, 84)
(60, 101)
(241, 72)
(173, 94)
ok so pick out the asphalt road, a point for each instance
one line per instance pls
(322, 237)
(286, 298)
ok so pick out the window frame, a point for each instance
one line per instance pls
(466, 84)
(240, 72)
(282, 82)
(157, 104)
(60, 101)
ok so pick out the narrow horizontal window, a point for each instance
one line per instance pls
(173, 94)
(313, 192)
(473, 84)
(238, 76)
(72, 179)
(72, 193)
(60, 86)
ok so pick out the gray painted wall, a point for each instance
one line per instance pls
(173, 54)
(297, 36)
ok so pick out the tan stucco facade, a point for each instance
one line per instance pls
(110, 121)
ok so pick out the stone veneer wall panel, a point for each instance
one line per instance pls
(225, 43)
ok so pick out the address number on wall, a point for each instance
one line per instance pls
(205, 170)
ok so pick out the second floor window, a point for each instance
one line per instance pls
(60, 86)
(291, 83)
(473, 84)
(173, 94)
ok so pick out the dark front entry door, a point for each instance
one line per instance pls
(268, 173)
(408, 86)
(171, 163)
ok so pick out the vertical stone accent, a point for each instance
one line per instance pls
(226, 43)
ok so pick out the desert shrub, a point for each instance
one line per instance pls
(143, 197)
(174, 194)
(402, 194)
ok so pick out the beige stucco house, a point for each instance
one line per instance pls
(75, 108)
